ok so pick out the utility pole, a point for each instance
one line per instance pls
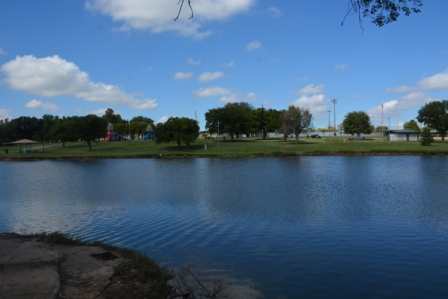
(334, 101)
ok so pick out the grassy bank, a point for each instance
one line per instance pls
(242, 147)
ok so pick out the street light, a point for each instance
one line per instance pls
(334, 101)
(329, 119)
(218, 133)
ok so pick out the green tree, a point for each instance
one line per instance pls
(381, 129)
(110, 117)
(411, 125)
(357, 122)
(426, 136)
(233, 118)
(90, 128)
(294, 120)
(64, 130)
(177, 129)
(434, 115)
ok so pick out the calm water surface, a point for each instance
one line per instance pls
(296, 227)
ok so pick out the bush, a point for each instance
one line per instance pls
(426, 137)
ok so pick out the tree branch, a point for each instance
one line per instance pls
(181, 2)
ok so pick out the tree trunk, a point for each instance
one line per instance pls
(89, 144)
(63, 144)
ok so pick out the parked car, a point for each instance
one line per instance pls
(315, 136)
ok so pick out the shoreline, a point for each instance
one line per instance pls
(184, 156)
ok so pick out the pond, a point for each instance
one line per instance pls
(293, 227)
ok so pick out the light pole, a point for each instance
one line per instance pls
(334, 101)
(382, 125)
(389, 128)
(218, 133)
(329, 119)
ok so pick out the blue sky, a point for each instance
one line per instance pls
(76, 57)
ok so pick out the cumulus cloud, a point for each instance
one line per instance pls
(193, 62)
(255, 45)
(4, 113)
(211, 92)
(157, 15)
(315, 103)
(183, 76)
(54, 76)
(311, 89)
(275, 11)
(238, 97)
(341, 66)
(436, 82)
(415, 99)
(2, 52)
(162, 120)
(36, 104)
(229, 64)
(98, 112)
(208, 76)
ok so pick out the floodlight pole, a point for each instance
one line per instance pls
(329, 119)
(334, 101)
(389, 128)
(382, 125)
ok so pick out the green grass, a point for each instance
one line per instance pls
(242, 147)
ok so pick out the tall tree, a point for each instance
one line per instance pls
(110, 117)
(233, 118)
(64, 130)
(265, 121)
(435, 115)
(177, 129)
(411, 125)
(357, 122)
(91, 127)
(295, 119)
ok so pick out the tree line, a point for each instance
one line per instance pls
(233, 119)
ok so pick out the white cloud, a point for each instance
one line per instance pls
(275, 11)
(415, 99)
(4, 113)
(238, 97)
(229, 64)
(315, 103)
(208, 76)
(253, 45)
(436, 82)
(211, 92)
(341, 66)
(311, 89)
(162, 120)
(193, 62)
(401, 89)
(303, 78)
(54, 76)
(2, 52)
(183, 76)
(98, 112)
(157, 15)
(36, 104)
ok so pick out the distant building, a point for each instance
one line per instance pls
(403, 135)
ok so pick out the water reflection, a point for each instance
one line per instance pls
(293, 227)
